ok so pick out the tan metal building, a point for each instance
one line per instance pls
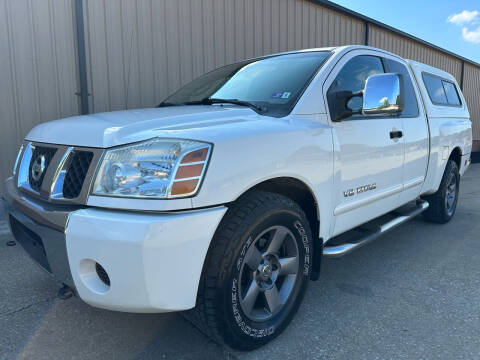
(66, 57)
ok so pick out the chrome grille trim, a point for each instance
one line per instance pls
(57, 186)
(22, 177)
(51, 188)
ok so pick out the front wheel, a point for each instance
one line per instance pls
(444, 202)
(256, 271)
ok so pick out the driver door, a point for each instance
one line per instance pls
(369, 152)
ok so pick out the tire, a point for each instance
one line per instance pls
(251, 233)
(444, 202)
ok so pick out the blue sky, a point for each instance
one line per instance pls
(450, 24)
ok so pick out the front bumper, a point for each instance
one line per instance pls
(153, 260)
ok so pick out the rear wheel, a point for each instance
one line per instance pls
(256, 271)
(444, 202)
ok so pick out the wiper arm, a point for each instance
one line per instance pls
(237, 102)
(210, 101)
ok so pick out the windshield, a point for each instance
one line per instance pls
(272, 84)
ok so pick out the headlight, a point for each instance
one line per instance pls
(157, 168)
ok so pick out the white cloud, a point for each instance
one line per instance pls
(469, 20)
(463, 17)
(471, 35)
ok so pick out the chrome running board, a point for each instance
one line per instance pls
(344, 248)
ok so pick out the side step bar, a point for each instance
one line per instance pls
(346, 247)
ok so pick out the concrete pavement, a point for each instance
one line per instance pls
(413, 294)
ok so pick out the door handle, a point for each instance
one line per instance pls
(396, 134)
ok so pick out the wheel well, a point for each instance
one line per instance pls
(456, 156)
(299, 192)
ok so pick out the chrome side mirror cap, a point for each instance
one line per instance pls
(383, 95)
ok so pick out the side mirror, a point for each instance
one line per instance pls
(339, 101)
(383, 95)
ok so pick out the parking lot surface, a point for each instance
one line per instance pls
(412, 294)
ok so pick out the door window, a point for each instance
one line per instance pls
(352, 78)
(411, 106)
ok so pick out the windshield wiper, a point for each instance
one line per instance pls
(210, 101)
(238, 102)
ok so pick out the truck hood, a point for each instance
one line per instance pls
(121, 127)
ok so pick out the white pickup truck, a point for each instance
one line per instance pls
(224, 198)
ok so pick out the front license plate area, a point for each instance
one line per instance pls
(30, 241)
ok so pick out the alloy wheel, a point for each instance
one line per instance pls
(268, 273)
(451, 195)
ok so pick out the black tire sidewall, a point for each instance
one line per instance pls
(257, 333)
(452, 171)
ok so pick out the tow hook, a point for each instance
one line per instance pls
(65, 292)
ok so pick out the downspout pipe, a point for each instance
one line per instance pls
(81, 58)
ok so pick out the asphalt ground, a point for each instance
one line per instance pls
(412, 294)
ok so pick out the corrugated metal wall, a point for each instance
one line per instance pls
(38, 71)
(410, 49)
(471, 91)
(140, 51)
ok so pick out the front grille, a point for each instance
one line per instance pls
(69, 171)
(31, 242)
(42, 156)
(79, 163)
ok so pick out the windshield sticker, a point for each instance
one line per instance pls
(281, 95)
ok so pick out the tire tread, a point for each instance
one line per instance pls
(205, 315)
(436, 210)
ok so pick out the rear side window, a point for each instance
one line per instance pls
(411, 105)
(435, 89)
(451, 92)
(441, 92)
